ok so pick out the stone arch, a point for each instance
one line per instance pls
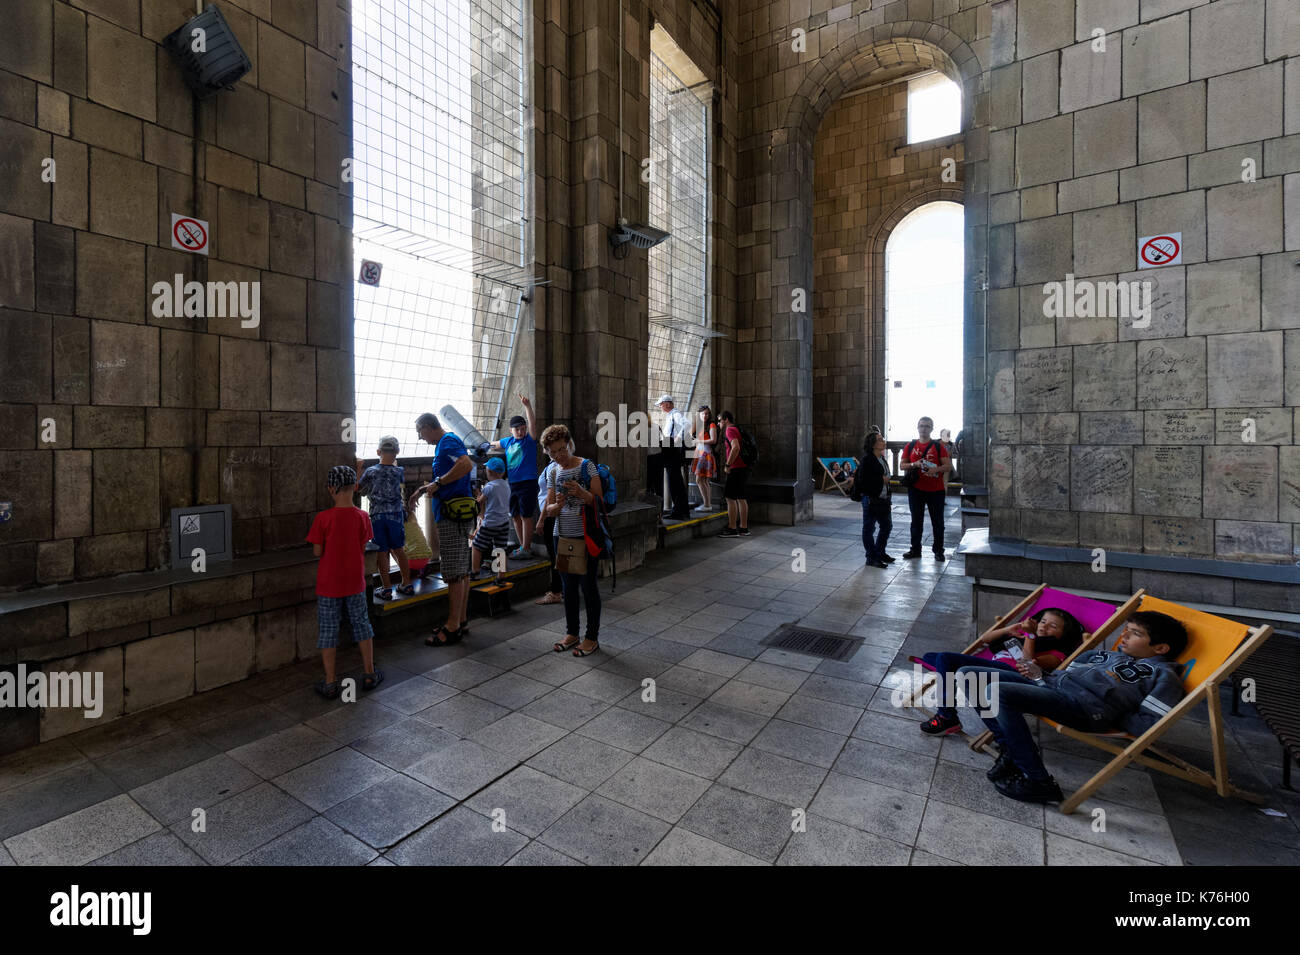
(878, 238)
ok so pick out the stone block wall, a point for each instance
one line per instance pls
(109, 414)
(1173, 436)
(866, 179)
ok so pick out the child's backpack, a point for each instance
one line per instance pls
(608, 487)
(595, 520)
(748, 448)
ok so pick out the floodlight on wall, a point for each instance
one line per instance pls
(208, 53)
(636, 235)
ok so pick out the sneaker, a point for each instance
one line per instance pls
(912, 554)
(941, 725)
(744, 532)
(549, 598)
(1030, 790)
(938, 556)
(519, 554)
(886, 558)
(1004, 768)
(729, 532)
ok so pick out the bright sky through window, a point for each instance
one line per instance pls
(923, 321)
(933, 108)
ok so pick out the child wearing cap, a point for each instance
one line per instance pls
(520, 449)
(382, 483)
(338, 537)
(494, 531)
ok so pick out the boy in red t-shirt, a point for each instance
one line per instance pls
(338, 537)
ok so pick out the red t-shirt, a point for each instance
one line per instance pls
(733, 438)
(935, 452)
(342, 533)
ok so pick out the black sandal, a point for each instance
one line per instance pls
(328, 690)
(579, 652)
(561, 647)
(433, 641)
(371, 680)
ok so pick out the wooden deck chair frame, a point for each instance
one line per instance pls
(827, 476)
(1015, 613)
(1142, 750)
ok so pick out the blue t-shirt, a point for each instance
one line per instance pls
(382, 483)
(450, 449)
(496, 503)
(521, 458)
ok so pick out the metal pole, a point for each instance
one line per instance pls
(510, 362)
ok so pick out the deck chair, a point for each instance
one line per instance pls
(827, 476)
(1216, 646)
(1098, 619)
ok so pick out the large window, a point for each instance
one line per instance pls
(933, 108)
(924, 356)
(679, 203)
(438, 97)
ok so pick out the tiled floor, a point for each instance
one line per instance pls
(501, 751)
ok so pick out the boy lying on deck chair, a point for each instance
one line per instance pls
(1101, 691)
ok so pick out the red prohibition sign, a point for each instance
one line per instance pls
(1160, 249)
(190, 233)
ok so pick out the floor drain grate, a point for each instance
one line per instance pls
(814, 643)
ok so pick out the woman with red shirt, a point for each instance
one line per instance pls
(931, 461)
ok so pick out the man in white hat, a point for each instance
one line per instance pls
(674, 429)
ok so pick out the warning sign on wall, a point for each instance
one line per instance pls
(1155, 251)
(370, 272)
(189, 234)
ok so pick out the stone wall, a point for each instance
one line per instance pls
(866, 179)
(1172, 435)
(110, 415)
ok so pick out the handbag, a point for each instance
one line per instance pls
(571, 555)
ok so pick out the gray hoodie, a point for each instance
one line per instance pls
(1124, 691)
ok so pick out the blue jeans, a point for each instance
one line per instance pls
(945, 663)
(1018, 695)
(876, 513)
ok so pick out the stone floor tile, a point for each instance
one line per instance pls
(176, 795)
(774, 777)
(280, 752)
(653, 788)
(316, 843)
(1131, 831)
(555, 669)
(826, 842)
(821, 714)
(405, 743)
(693, 752)
(511, 690)
(579, 760)
(727, 722)
(537, 854)
(530, 800)
(155, 758)
(565, 709)
(462, 714)
(28, 765)
(624, 729)
(865, 805)
(896, 732)
(463, 674)
(461, 769)
(848, 692)
(49, 797)
(1065, 851)
(84, 835)
(389, 811)
(805, 743)
(159, 849)
(683, 847)
(696, 683)
(711, 661)
(970, 788)
(751, 697)
(602, 685)
(518, 735)
(976, 838)
(242, 823)
(232, 730)
(461, 837)
(337, 776)
(599, 831)
(411, 696)
(667, 705)
(896, 768)
(751, 824)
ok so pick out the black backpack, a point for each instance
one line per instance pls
(911, 474)
(748, 446)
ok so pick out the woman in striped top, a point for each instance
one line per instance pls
(566, 499)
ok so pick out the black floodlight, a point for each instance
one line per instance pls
(640, 236)
(208, 53)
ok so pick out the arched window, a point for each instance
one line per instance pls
(933, 108)
(924, 356)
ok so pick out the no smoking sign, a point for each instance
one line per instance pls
(189, 234)
(1155, 251)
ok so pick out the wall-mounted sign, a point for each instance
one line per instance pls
(1155, 251)
(189, 234)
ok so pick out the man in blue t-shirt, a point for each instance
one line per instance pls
(451, 467)
(520, 449)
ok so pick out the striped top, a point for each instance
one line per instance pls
(569, 522)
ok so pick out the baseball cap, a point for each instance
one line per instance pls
(518, 421)
(663, 398)
(340, 476)
(389, 443)
(495, 465)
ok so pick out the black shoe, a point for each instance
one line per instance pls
(744, 532)
(1004, 768)
(941, 725)
(938, 556)
(877, 563)
(886, 558)
(1030, 790)
(912, 554)
(730, 532)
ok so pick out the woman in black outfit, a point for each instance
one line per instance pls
(871, 487)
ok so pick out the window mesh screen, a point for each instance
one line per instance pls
(679, 203)
(438, 97)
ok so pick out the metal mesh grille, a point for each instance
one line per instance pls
(814, 643)
(438, 98)
(679, 202)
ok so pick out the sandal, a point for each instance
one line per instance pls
(433, 641)
(384, 593)
(328, 690)
(406, 590)
(549, 598)
(371, 680)
(579, 652)
(561, 647)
